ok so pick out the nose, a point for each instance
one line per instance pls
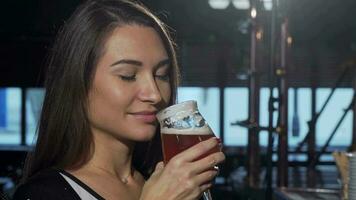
(149, 91)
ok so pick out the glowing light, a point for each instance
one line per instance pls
(241, 4)
(219, 4)
(253, 12)
(289, 40)
(267, 4)
(259, 34)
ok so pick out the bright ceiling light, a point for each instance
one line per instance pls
(241, 4)
(219, 4)
(267, 4)
(253, 12)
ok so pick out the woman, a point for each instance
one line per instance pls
(113, 67)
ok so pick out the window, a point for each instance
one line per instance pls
(10, 115)
(34, 101)
(208, 103)
(236, 109)
(303, 114)
(332, 114)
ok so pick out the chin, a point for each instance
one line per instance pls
(145, 134)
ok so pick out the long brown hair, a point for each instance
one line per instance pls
(64, 136)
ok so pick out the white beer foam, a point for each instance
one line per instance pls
(205, 130)
(179, 111)
(183, 108)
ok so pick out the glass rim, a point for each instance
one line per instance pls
(178, 106)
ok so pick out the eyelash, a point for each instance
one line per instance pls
(128, 78)
(163, 77)
(133, 77)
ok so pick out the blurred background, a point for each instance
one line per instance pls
(275, 79)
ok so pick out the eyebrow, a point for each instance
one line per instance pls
(127, 61)
(139, 63)
(163, 63)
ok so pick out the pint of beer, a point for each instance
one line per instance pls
(182, 126)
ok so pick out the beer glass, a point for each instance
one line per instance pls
(182, 126)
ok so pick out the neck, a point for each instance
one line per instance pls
(111, 155)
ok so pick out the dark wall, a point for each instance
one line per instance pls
(323, 31)
(27, 30)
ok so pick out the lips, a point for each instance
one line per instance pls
(145, 116)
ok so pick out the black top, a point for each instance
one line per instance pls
(50, 184)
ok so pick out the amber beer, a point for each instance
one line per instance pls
(182, 126)
(173, 144)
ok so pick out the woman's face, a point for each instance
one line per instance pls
(130, 85)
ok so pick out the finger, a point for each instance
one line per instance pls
(205, 187)
(205, 177)
(197, 150)
(208, 162)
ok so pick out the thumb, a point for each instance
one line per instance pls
(152, 185)
(159, 168)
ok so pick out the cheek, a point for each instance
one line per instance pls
(107, 110)
(107, 100)
(165, 90)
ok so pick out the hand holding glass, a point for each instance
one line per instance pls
(182, 126)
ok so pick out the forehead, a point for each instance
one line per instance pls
(135, 41)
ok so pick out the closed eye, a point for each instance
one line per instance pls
(163, 71)
(128, 78)
(164, 77)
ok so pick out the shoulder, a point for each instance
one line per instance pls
(48, 184)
